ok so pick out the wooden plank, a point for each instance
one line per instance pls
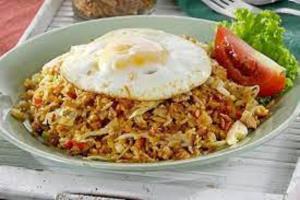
(20, 182)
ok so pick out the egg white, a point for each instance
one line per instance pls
(140, 64)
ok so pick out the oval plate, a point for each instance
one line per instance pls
(28, 58)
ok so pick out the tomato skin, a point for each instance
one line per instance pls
(69, 144)
(72, 95)
(247, 66)
(37, 101)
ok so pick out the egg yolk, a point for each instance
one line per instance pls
(134, 52)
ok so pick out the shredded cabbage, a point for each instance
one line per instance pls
(102, 131)
(144, 107)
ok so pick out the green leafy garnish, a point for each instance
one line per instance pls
(264, 32)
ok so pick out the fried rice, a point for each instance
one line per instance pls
(97, 126)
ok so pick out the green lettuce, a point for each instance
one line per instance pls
(264, 32)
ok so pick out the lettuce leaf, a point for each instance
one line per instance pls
(264, 32)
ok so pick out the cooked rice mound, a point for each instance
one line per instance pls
(96, 126)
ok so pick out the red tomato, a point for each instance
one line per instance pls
(72, 143)
(80, 145)
(69, 144)
(72, 95)
(247, 66)
(37, 101)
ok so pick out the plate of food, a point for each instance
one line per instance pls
(149, 92)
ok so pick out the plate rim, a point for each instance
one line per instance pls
(200, 160)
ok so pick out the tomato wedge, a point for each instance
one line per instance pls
(247, 66)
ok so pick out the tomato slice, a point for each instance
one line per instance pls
(69, 144)
(37, 101)
(247, 66)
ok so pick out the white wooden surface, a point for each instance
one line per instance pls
(266, 169)
(44, 185)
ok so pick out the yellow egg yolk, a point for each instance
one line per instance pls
(133, 52)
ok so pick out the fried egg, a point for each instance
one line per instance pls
(139, 64)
